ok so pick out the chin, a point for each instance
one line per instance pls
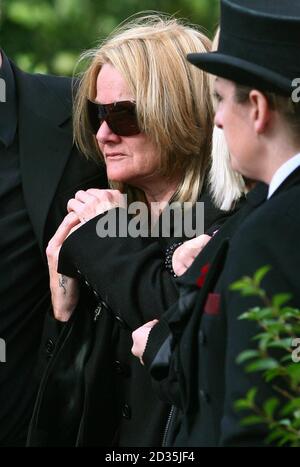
(115, 176)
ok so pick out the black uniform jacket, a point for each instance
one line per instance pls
(196, 365)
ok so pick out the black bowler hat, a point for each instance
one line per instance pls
(259, 44)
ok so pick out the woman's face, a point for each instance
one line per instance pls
(130, 159)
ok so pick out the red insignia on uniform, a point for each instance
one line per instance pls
(212, 305)
(202, 277)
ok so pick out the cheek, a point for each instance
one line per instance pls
(234, 163)
(145, 153)
(101, 147)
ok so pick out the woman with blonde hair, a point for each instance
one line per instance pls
(145, 113)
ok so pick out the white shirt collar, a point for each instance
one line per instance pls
(282, 173)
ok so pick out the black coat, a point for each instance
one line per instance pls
(52, 170)
(116, 404)
(202, 377)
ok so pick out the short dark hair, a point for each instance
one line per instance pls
(284, 105)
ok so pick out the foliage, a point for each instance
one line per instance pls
(276, 357)
(49, 35)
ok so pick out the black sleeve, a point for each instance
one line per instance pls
(50, 335)
(127, 273)
(53, 328)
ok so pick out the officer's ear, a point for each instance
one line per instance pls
(260, 111)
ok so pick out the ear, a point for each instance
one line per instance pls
(260, 111)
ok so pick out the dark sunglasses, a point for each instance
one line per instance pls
(119, 116)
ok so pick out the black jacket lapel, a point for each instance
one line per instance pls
(291, 180)
(45, 143)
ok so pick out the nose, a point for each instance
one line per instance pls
(218, 120)
(105, 134)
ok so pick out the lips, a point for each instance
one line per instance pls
(114, 155)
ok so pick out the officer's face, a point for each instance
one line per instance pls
(235, 120)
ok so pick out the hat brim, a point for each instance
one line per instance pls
(241, 71)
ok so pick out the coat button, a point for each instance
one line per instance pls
(96, 294)
(204, 396)
(126, 412)
(121, 322)
(104, 304)
(202, 338)
(50, 346)
(121, 368)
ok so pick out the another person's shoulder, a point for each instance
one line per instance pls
(63, 87)
(277, 219)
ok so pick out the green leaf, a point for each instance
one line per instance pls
(252, 420)
(264, 342)
(276, 372)
(262, 365)
(279, 299)
(281, 344)
(291, 406)
(277, 433)
(243, 404)
(289, 312)
(285, 422)
(260, 274)
(270, 406)
(247, 355)
(251, 394)
(240, 284)
(293, 370)
(255, 313)
(285, 439)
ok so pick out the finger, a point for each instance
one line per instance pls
(189, 261)
(84, 197)
(97, 192)
(152, 323)
(202, 240)
(110, 195)
(75, 206)
(179, 270)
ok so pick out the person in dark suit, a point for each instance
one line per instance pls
(153, 151)
(195, 360)
(40, 170)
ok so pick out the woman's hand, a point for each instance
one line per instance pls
(64, 290)
(140, 337)
(185, 254)
(91, 203)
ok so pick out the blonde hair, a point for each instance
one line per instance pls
(172, 97)
(226, 185)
